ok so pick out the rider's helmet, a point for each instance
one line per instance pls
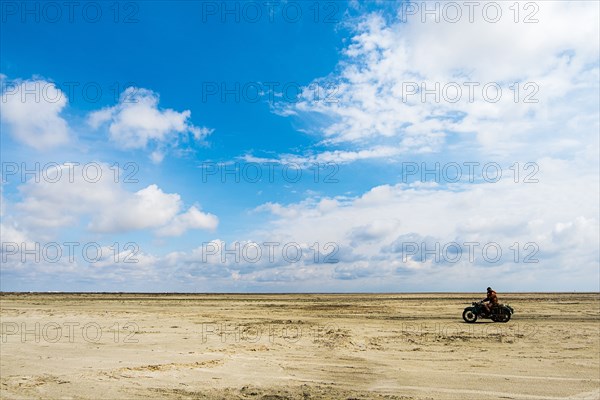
(489, 289)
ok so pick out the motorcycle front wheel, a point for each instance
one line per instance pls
(469, 316)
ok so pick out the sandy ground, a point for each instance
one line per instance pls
(361, 346)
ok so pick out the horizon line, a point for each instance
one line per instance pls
(280, 293)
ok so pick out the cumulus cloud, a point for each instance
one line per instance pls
(250, 263)
(379, 113)
(31, 113)
(374, 226)
(373, 231)
(368, 234)
(377, 116)
(193, 218)
(137, 121)
(372, 237)
(90, 192)
(381, 84)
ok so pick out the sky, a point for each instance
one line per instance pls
(300, 146)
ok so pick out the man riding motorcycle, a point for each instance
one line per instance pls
(491, 300)
(490, 308)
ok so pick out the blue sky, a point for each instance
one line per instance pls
(172, 95)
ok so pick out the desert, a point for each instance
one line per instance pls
(297, 346)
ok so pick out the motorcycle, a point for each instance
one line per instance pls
(498, 313)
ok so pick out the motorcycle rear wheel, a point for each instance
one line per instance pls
(504, 317)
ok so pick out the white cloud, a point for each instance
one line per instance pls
(369, 231)
(193, 218)
(10, 233)
(375, 119)
(137, 121)
(147, 208)
(93, 194)
(564, 226)
(373, 107)
(157, 156)
(30, 111)
(338, 157)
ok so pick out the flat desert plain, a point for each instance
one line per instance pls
(297, 346)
